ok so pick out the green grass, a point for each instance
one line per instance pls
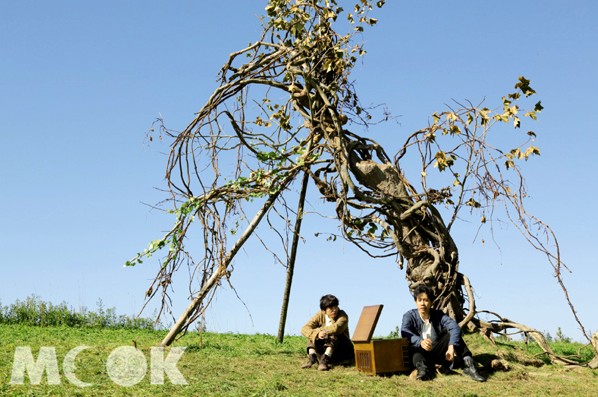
(255, 365)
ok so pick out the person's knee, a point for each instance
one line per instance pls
(330, 341)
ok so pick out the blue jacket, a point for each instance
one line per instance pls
(412, 324)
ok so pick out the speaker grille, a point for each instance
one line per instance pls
(364, 360)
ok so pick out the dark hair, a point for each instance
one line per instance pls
(328, 301)
(423, 289)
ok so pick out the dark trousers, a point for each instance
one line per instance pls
(342, 347)
(437, 354)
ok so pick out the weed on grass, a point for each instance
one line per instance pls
(37, 312)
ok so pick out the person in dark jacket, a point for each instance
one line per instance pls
(327, 334)
(435, 338)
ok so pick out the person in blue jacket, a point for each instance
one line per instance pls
(435, 338)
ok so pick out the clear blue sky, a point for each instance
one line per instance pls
(81, 83)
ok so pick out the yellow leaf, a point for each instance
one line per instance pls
(516, 122)
(451, 116)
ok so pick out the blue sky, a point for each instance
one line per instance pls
(82, 82)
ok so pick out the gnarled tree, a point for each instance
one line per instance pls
(285, 109)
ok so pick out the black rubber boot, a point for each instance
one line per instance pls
(471, 371)
(422, 371)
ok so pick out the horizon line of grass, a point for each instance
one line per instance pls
(34, 311)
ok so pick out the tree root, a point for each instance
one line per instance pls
(489, 328)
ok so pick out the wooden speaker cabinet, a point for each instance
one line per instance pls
(378, 356)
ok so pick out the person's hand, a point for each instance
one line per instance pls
(322, 334)
(450, 353)
(427, 344)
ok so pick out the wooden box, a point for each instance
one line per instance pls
(378, 356)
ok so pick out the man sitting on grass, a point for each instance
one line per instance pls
(435, 338)
(327, 334)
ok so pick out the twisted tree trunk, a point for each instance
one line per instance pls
(420, 234)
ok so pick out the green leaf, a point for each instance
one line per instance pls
(469, 118)
(472, 203)
(538, 107)
(502, 117)
(514, 96)
(524, 86)
(484, 118)
(271, 10)
(443, 161)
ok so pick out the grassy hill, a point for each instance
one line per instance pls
(255, 365)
